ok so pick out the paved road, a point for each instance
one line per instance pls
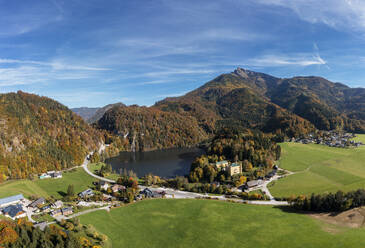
(86, 162)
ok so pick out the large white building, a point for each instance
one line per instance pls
(11, 200)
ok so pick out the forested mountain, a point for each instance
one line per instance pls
(242, 99)
(150, 128)
(39, 134)
(242, 94)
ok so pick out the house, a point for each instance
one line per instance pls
(51, 174)
(11, 200)
(234, 169)
(44, 176)
(103, 185)
(254, 183)
(221, 164)
(67, 211)
(146, 192)
(86, 193)
(57, 204)
(14, 211)
(117, 188)
(46, 208)
(57, 174)
(56, 213)
(150, 194)
(37, 203)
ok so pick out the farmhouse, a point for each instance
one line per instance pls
(14, 211)
(57, 204)
(150, 194)
(86, 193)
(103, 185)
(51, 174)
(56, 213)
(117, 188)
(37, 203)
(11, 200)
(67, 211)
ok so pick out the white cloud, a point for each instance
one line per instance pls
(284, 60)
(55, 65)
(341, 14)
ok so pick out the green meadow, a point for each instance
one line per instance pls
(320, 169)
(48, 187)
(208, 223)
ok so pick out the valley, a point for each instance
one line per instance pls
(138, 169)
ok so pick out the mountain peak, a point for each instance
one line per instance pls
(242, 72)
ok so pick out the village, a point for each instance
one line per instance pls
(18, 206)
(331, 139)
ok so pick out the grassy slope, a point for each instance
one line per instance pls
(47, 187)
(203, 223)
(320, 169)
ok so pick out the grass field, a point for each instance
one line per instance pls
(207, 223)
(320, 169)
(48, 187)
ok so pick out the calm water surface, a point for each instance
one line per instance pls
(164, 163)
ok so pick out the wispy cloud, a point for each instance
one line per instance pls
(54, 65)
(343, 14)
(285, 60)
(23, 17)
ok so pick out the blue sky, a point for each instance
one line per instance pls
(92, 53)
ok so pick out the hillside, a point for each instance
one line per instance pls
(242, 99)
(150, 128)
(257, 99)
(39, 134)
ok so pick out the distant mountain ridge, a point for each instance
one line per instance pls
(85, 112)
(92, 115)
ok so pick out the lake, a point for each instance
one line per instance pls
(164, 163)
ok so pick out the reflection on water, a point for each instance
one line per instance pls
(164, 163)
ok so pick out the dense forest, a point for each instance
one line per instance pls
(255, 150)
(38, 134)
(337, 202)
(65, 234)
(143, 129)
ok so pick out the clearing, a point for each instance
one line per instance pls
(48, 187)
(320, 169)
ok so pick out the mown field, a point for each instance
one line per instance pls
(48, 187)
(320, 169)
(208, 223)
